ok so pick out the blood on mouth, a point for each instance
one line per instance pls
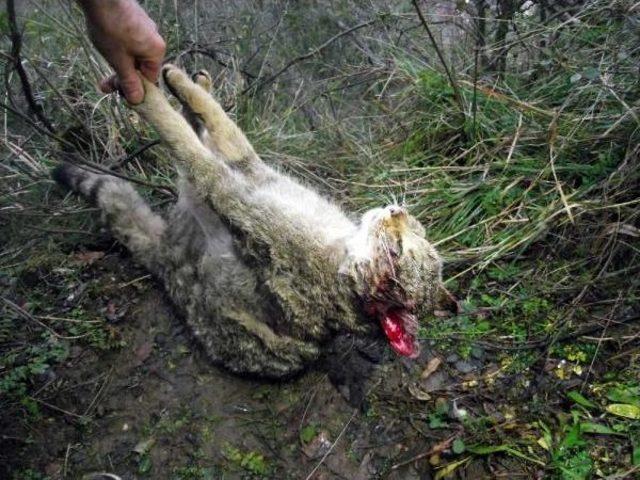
(400, 340)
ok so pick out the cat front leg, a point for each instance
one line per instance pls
(223, 135)
(207, 169)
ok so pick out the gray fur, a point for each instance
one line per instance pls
(265, 270)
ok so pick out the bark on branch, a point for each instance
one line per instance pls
(16, 47)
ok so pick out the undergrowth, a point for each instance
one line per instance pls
(528, 187)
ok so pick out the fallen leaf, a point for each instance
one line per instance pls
(418, 393)
(442, 445)
(87, 258)
(432, 366)
(624, 410)
(544, 444)
(144, 446)
(450, 468)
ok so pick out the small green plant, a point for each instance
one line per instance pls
(22, 365)
(196, 472)
(568, 451)
(308, 433)
(439, 417)
(251, 461)
(28, 474)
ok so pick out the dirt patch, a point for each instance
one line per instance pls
(150, 404)
(156, 408)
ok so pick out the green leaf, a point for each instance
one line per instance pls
(578, 398)
(624, 410)
(144, 464)
(488, 449)
(590, 427)
(450, 468)
(458, 446)
(308, 433)
(576, 467)
(625, 395)
(635, 455)
(573, 437)
(436, 422)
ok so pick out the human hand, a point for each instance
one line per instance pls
(129, 40)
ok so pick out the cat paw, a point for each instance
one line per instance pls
(202, 78)
(173, 77)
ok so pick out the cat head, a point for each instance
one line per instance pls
(395, 272)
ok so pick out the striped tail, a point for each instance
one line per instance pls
(128, 215)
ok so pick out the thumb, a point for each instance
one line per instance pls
(150, 69)
(129, 82)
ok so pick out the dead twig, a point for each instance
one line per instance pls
(545, 342)
(78, 160)
(600, 340)
(210, 53)
(137, 152)
(57, 409)
(261, 83)
(26, 315)
(324, 457)
(437, 448)
(16, 47)
(452, 81)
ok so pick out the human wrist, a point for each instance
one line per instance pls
(97, 7)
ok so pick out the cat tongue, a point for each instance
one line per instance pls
(400, 340)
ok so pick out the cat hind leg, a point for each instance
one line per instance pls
(128, 215)
(224, 135)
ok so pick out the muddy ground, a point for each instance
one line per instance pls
(154, 407)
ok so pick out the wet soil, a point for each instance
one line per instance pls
(156, 408)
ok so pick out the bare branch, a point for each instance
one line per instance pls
(16, 47)
(260, 84)
(454, 85)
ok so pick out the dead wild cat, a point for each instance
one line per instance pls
(265, 270)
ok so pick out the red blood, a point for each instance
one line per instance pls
(392, 326)
(401, 341)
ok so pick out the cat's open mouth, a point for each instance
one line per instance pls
(399, 326)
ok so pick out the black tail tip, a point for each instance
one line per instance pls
(66, 175)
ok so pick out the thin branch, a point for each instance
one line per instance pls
(26, 315)
(210, 53)
(127, 158)
(454, 84)
(324, 457)
(16, 47)
(260, 84)
(77, 159)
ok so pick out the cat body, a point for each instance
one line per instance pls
(265, 270)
